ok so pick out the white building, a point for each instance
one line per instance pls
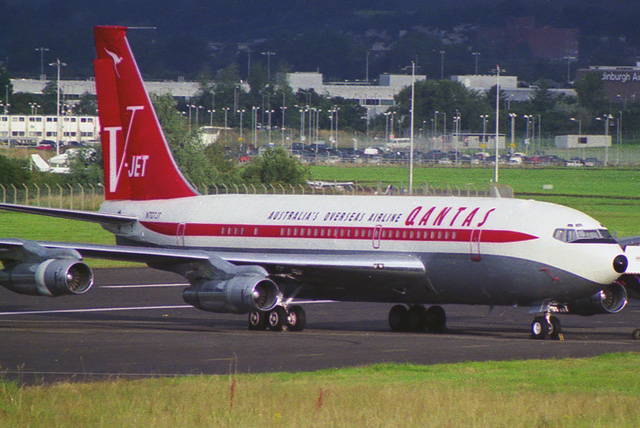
(375, 98)
(508, 86)
(75, 88)
(582, 141)
(33, 129)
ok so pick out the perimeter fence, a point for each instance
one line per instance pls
(89, 196)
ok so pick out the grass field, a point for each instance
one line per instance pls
(596, 392)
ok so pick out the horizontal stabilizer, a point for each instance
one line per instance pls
(89, 216)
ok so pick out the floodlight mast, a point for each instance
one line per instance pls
(497, 70)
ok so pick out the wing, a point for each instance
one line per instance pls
(336, 276)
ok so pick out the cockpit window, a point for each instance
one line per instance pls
(583, 235)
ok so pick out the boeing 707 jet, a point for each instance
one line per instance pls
(256, 254)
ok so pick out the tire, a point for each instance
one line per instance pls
(297, 318)
(436, 319)
(399, 318)
(540, 328)
(556, 329)
(258, 320)
(417, 318)
(636, 334)
(277, 318)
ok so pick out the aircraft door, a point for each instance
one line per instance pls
(180, 234)
(377, 234)
(475, 245)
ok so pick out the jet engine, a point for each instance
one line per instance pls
(610, 300)
(52, 277)
(238, 295)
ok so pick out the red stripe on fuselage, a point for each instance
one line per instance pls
(335, 232)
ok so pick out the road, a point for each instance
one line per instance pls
(133, 323)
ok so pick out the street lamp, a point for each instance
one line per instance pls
(226, 113)
(497, 70)
(476, 55)
(484, 118)
(42, 50)
(254, 120)
(442, 64)
(268, 54)
(241, 113)
(513, 127)
(579, 125)
(58, 64)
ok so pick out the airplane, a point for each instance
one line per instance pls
(257, 254)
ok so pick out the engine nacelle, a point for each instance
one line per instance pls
(239, 295)
(610, 300)
(53, 277)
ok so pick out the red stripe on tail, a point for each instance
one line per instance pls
(138, 164)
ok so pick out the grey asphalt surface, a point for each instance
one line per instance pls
(134, 323)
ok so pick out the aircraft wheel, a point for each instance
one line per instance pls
(277, 318)
(297, 318)
(556, 329)
(636, 334)
(399, 318)
(417, 318)
(436, 319)
(258, 320)
(540, 328)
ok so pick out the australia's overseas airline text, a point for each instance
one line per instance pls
(418, 216)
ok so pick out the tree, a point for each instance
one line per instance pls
(185, 144)
(6, 87)
(590, 91)
(275, 166)
(12, 171)
(87, 105)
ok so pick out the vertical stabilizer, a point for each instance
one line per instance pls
(137, 161)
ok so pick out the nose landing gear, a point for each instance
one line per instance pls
(546, 327)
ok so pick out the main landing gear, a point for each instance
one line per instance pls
(417, 318)
(292, 318)
(546, 327)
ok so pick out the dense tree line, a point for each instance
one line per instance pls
(335, 37)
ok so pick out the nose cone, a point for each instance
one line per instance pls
(620, 264)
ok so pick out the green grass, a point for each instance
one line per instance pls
(595, 392)
(41, 228)
(576, 181)
(612, 196)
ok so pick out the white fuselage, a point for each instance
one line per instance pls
(475, 250)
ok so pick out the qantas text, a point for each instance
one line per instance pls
(419, 216)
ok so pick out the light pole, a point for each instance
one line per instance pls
(579, 125)
(241, 112)
(497, 70)
(442, 64)
(484, 118)
(226, 114)
(58, 64)
(284, 109)
(569, 59)
(476, 55)
(268, 54)
(413, 75)
(42, 50)
(513, 127)
(270, 112)
(254, 119)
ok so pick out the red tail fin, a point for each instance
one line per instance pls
(137, 161)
